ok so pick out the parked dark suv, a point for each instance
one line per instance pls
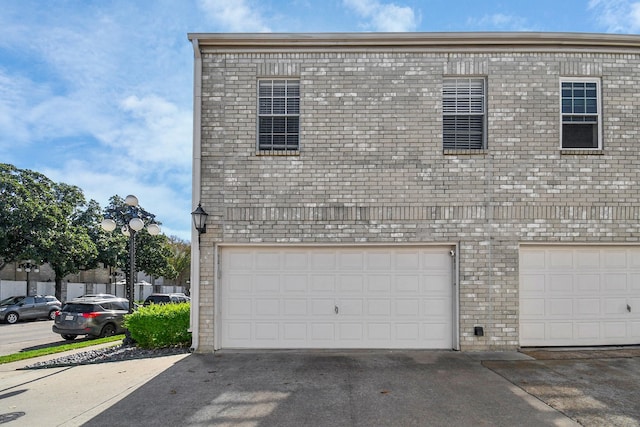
(166, 299)
(95, 317)
(17, 308)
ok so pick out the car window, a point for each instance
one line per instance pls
(40, 300)
(28, 300)
(78, 308)
(121, 305)
(11, 301)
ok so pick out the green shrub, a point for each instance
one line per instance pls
(160, 325)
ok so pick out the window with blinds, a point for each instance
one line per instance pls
(278, 115)
(580, 113)
(464, 114)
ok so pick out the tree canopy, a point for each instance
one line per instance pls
(47, 222)
(53, 223)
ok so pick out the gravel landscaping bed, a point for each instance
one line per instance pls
(109, 354)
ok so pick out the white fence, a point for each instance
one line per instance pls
(9, 288)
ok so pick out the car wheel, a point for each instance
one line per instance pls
(69, 337)
(108, 330)
(12, 318)
(52, 315)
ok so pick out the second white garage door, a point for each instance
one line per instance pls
(336, 297)
(579, 295)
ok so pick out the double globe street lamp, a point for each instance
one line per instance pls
(28, 266)
(131, 218)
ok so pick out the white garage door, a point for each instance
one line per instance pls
(579, 295)
(331, 297)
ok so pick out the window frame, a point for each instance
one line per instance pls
(455, 114)
(598, 113)
(291, 111)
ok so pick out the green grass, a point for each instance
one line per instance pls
(57, 349)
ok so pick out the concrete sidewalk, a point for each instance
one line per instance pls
(285, 388)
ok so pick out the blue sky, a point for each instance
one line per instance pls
(98, 93)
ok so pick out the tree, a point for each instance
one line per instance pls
(71, 247)
(46, 222)
(27, 213)
(180, 260)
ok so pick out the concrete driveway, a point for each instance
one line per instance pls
(599, 387)
(331, 388)
(367, 388)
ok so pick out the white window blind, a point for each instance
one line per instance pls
(463, 106)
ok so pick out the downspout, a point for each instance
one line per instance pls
(195, 196)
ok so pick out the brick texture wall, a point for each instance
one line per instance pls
(371, 167)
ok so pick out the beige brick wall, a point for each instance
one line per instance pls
(371, 168)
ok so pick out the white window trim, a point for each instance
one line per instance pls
(598, 83)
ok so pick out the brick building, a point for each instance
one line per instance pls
(467, 190)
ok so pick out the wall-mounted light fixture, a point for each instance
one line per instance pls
(200, 220)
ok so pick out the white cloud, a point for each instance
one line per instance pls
(384, 16)
(617, 16)
(235, 15)
(158, 132)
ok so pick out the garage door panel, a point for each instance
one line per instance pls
(559, 260)
(587, 260)
(407, 284)
(267, 307)
(351, 332)
(560, 307)
(378, 307)
(350, 307)
(588, 283)
(585, 291)
(238, 307)
(268, 260)
(295, 307)
(435, 308)
(379, 261)
(587, 307)
(323, 283)
(379, 284)
(322, 307)
(294, 333)
(295, 283)
(587, 331)
(379, 333)
(351, 283)
(436, 284)
(615, 282)
(336, 297)
(407, 308)
(268, 284)
(560, 283)
(240, 283)
(265, 331)
(323, 332)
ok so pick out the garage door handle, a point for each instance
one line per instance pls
(628, 308)
(336, 309)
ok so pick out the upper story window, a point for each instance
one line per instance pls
(278, 115)
(464, 113)
(581, 116)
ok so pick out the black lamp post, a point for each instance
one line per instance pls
(28, 266)
(130, 219)
(200, 220)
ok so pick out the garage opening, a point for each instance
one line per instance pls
(336, 297)
(579, 295)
